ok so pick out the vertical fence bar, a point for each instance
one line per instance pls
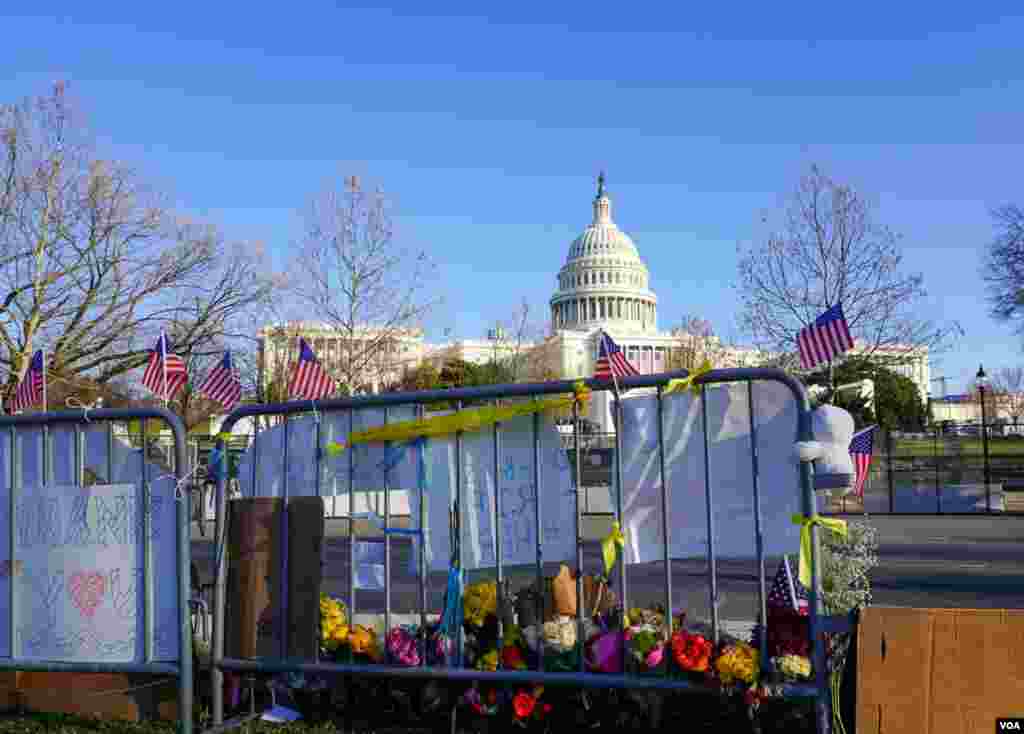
(282, 576)
(580, 601)
(351, 527)
(424, 578)
(666, 524)
(539, 530)
(220, 577)
(12, 512)
(709, 498)
(184, 539)
(935, 461)
(889, 469)
(387, 546)
(458, 534)
(619, 517)
(47, 458)
(110, 451)
(147, 549)
(762, 606)
(499, 567)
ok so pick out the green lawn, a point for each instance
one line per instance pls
(950, 445)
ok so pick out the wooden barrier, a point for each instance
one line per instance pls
(948, 671)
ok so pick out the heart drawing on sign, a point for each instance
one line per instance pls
(86, 590)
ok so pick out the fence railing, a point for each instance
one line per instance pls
(944, 470)
(119, 614)
(325, 411)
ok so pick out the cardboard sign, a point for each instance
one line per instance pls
(79, 556)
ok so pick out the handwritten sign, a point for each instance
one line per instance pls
(79, 586)
(79, 552)
(375, 466)
(516, 481)
(731, 472)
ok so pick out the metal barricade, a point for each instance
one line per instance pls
(80, 422)
(816, 689)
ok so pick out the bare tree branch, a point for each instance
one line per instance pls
(832, 251)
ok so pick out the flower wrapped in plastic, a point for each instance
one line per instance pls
(793, 667)
(692, 652)
(363, 641)
(403, 647)
(646, 647)
(527, 705)
(605, 652)
(738, 663)
(485, 705)
(479, 601)
(334, 630)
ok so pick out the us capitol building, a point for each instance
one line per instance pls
(604, 285)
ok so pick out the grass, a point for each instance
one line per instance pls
(909, 447)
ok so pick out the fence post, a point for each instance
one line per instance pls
(888, 463)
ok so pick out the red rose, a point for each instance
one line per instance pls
(523, 704)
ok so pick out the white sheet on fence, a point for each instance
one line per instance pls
(79, 553)
(729, 449)
(518, 521)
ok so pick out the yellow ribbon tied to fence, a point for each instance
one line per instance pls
(610, 546)
(806, 523)
(462, 421)
(687, 383)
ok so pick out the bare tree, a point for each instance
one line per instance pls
(521, 342)
(93, 265)
(695, 342)
(1007, 387)
(355, 276)
(832, 251)
(1003, 266)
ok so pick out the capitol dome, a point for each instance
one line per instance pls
(604, 282)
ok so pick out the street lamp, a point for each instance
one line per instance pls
(982, 381)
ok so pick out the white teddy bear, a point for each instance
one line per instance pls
(830, 451)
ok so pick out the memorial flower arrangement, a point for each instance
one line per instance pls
(646, 646)
(738, 664)
(333, 624)
(793, 667)
(691, 651)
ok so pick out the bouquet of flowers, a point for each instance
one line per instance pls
(793, 667)
(527, 705)
(646, 647)
(691, 652)
(479, 601)
(738, 663)
(334, 629)
(402, 644)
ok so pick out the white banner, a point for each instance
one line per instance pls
(730, 476)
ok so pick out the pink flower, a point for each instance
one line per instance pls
(402, 647)
(655, 656)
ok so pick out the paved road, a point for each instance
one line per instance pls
(969, 573)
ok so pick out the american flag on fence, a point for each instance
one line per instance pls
(611, 362)
(30, 390)
(166, 373)
(825, 339)
(861, 446)
(787, 590)
(309, 379)
(222, 384)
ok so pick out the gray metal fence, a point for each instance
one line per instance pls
(817, 688)
(83, 448)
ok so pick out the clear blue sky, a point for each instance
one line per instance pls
(488, 126)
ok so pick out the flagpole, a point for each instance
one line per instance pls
(43, 352)
(163, 364)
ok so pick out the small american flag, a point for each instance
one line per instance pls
(309, 379)
(787, 590)
(222, 384)
(30, 389)
(825, 339)
(861, 446)
(611, 362)
(166, 373)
